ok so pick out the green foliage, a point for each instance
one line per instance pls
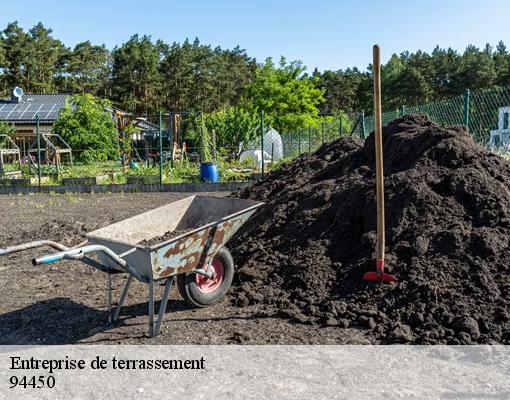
(199, 133)
(286, 95)
(233, 126)
(88, 68)
(415, 78)
(205, 141)
(135, 75)
(182, 172)
(6, 128)
(145, 76)
(198, 77)
(33, 59)
(88, 128)
(2, 53)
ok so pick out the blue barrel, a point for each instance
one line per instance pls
(209, 172)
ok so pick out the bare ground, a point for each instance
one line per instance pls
(65, 302)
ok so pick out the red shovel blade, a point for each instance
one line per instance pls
(375, 277)
(379, 275)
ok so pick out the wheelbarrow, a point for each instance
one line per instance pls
(197, 258)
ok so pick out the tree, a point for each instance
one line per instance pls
(2, 54)
(445, 64)
(197, 77)
(6, 128)
(390, 75)
(233, 126)
(16, 44)
(286, 95)
(89, 129)
(136, 78)
(178, 79)
(476, 70)
(88, 69)
(42, 64)
(411, 88)
(235, 71)
(143, 76)
(502, 65)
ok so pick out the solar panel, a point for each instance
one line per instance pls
(47, 107)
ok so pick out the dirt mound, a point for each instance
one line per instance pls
(447, 232)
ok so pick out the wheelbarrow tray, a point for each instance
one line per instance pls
(209, 222)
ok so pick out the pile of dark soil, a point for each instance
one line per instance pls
(447, 233)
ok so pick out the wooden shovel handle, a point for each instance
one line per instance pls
(379, 173)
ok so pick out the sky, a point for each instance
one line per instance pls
(326, 34)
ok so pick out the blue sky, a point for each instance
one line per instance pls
(324, 34)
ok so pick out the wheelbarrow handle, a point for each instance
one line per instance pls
(32, 245)
(79, 252)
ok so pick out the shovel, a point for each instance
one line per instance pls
(378, 275)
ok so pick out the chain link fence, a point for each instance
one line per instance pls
(480, 111)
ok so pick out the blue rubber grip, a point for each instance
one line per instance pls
(50, 259)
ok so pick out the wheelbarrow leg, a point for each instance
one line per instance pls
(154, 327)
(151, 308)
(122, 298)
(109, 286)
(162, 305)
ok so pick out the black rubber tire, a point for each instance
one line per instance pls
(193, 296)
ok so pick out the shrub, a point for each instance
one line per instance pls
(88, 128)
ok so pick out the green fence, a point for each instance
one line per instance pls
(309, 139)
(478, 110)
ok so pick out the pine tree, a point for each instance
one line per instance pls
(135, 75)
(44, 55)
(16, 44)
(88, 69)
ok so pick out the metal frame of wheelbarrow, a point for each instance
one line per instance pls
(212, 220)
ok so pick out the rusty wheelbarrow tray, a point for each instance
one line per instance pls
(208, 223)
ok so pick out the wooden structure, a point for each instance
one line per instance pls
(9, 154)
(53, 149)
(179, 152)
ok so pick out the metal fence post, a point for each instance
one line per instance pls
(309, 138)
(362, 117)
(171, 127)
(322, 131)
(272, 153)
(160, 151)
(299, 142)
(262, 140)
(402, 110)
(38, 134)
(467, 95)
(341, 129)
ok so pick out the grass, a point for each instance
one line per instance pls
(11, 167)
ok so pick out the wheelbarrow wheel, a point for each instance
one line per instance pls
(199, 291)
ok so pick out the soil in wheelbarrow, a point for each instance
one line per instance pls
(447, 233)
(163, 238)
